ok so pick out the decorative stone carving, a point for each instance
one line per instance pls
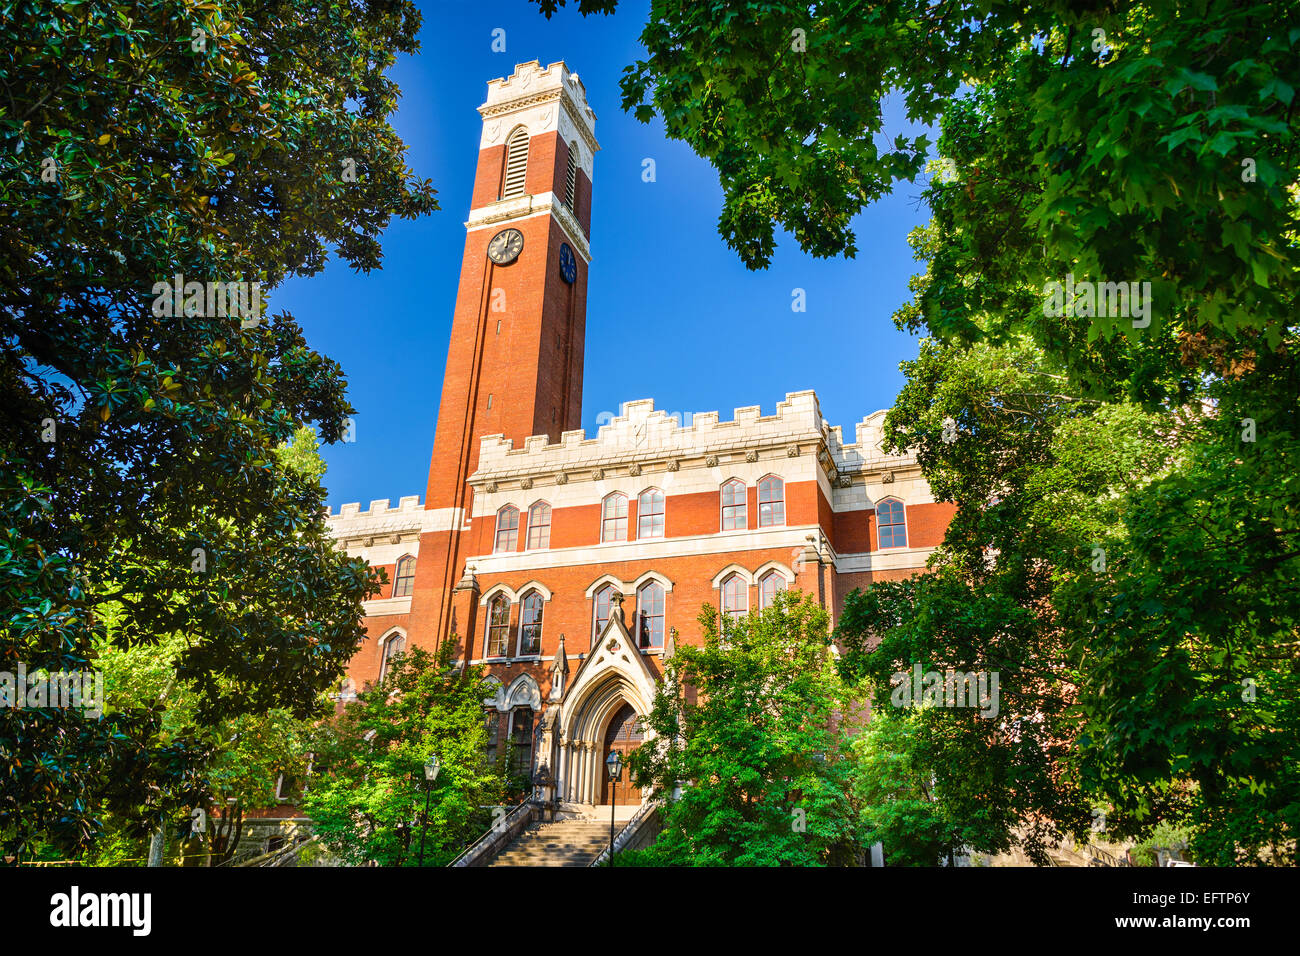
(711, 461)
(792, 451)
(395, 538)
(887, 478)
(846, 481)
(561, 479)
(526, 484)
(674, 465)
(559, 671)
(598, 474)
(751, 456)
(491, 487)
(634, 469)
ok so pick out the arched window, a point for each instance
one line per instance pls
(650, 514)
(650, 614)
(394, 645)
(603, 604)
(891, 524)
(404, 578)
(768, 585)
(571, 176)
(530, 625)
(516, 163)
(539, 525)
(735, 597)
(492, 723)
(733, 505)
(498, 635)
(521, 740)
(771, 502)
(613, 518)
(507, 529)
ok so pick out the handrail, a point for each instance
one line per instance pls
(493, 832)
(627, 831)
(1100, 857)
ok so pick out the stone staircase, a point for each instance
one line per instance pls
(562, 843)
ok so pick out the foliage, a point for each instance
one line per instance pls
(750, 727)
(139, 450)
(367, 797)
(899, 802)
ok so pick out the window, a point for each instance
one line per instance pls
(650, 514)
(771, 502)
(613, 521)
(733, 505)
(768, 585)
(603, 602)
(516, 163)
(521, 740)
(492, 723)
(288, 787)
(891, 524)
(404, 579)
(539, 525)
(735, 597)
(530, 625)
(571, 175)
(507, 529)
(393, 646)
(650, 615)
(498, 636)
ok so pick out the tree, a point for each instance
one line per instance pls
(897, 797)
(221, 145)
(366, 796)
(750, 753)
(1121, 131)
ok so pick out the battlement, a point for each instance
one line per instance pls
(641, 431)
(378, 508)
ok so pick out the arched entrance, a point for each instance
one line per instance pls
(624, 734)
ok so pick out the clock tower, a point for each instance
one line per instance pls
(514, 366)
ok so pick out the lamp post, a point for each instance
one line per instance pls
(614, 763)
(430, 775)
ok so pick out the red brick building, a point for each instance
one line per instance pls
(569, 564)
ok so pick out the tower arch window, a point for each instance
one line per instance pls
(733, 505)
(530, 624)
(507, 538)
(891, 523)
(394, 644)
(571, 176)
(404, 576)
(539, 525)
(498, 634)
(650, 615)
(771, 502)
(650, 514)
(735, 597)
(768, 586)
(613, 521)
(601, 610)
(516, 163)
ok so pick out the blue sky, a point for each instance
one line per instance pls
(661, 274)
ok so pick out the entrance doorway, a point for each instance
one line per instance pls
(624, 735)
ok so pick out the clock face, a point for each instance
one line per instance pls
(506, 246)
(568, 263)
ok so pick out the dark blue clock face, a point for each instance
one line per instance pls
(568, 263)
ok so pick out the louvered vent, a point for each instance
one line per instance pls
(516, 163)
(571, 175)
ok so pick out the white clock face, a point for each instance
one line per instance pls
(506, 246)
